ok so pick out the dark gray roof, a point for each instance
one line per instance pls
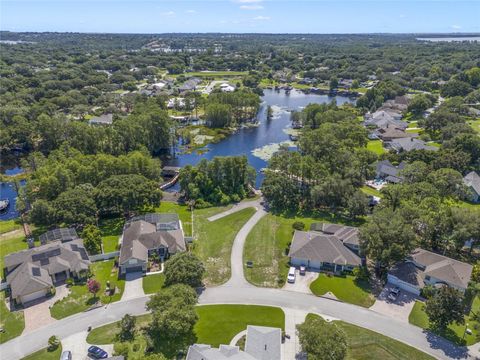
(60, 234)
(408, 273)
(316, 246)
(409, 144)
(346, 234)
(28, 278)
(472, 180)
(386, 169)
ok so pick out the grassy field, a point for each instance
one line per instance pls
(266, 246)
(475, 124)
(9, 225)
(111, 230)
(365, 344)
(376, 146)
(12, 322)
(213, 241)
(454, 332)
(9, 244)
(344, 288)
(218, 324)
(106, 334)
(80, 299)
(44, 354)
(371, 191)
(153, 283)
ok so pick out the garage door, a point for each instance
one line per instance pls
(134, 269)
(33, 296)
(403, 285)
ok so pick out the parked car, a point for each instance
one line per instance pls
(303, 270)
(291, 275)
(97, 353)
(66, 355)
(395, 290)
(394, 293)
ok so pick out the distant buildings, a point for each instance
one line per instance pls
(384, 118)
(387, 171)
(408, 144)
(105, 119)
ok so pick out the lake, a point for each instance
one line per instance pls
(258, 142)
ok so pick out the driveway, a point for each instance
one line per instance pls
(37, 312)
(133, 286)
(399, 309)
(302, 282)
(78, 345)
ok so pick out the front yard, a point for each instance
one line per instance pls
(80, 299)
(12, 323)
(153, 283)
(454, 333)
(365, 344)
(214, 240)
(345, 288)
(44, 354)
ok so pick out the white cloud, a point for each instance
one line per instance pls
(251, 7)
(261, 18)
(456, 27)
(168, 13)
(249, 1)
(190, 11)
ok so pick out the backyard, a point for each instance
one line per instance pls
(12, 323)
(376, 146)
(9, 225)
(345, 288)
(454, 333)
(80, 299)
(111, 230)
(365, 344)
(213, 241)
(266, 246)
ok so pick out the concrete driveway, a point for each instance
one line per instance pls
(37, 312)
(302, 282)
(399, 309)
(78, 345)
(133, 286)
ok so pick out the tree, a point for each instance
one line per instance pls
(92, 239)
(357, 204)
(76, 206)
(445, 307)
(127, 328)
(53, 343)
(184, 268)
(322, 340)
(333, 83)
(42, 213)
(93, 287)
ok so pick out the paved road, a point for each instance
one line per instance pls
(235, 208)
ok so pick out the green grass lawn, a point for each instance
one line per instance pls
(80, 299)
(106, 334)
(376, 146)
(344, 288)
(475, 124)
(365, 344)
(153, 283)
(218, 324)
(10, 245)
(111, 230)
(44, 354)
(266, 246)
(12, 322)
(371, 191)
(454, 332)
(9, 225)
(214, 240)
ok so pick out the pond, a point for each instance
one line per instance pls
(258, 143)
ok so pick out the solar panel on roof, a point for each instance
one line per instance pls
(44, 262)
(62, 234)
(83, 254)
(36, 271)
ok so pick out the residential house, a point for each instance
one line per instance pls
(105, 119)
(408, 144)
(424, 267)
(472, 181)
(149, 234)
(383, 118)
(348, 235)
(31, 273)
(190, 85)
(387, 171)
(61, 234)
(319, 250)
(261, 343)
(227, 87)
(400, 103)
(391, 132)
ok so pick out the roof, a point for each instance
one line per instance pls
(409, 273)
(151, 231)
(263, 343)
(224, 352)
(386, 169)
(60, 234)
(346, 234)
(393, 132)
(105, 119)
(28, 278)
(316, 246)
(409, 144)
(472, 180)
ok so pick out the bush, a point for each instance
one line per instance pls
(428, 291)
(298, 225)
(69, 282)
(52, 291)
(120, 349)
(53, 343)
(361, 273)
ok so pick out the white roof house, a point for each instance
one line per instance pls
(227, 87)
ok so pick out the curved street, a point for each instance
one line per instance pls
(238, 291)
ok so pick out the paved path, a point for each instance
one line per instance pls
(235, 208)
(291, 347)
(237, 337)
(133, 286)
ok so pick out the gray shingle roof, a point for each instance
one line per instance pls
(346, 234)
(28, 278)
(472, 180)
(409, 144)
(60, 234)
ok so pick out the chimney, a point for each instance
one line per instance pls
(265, 347)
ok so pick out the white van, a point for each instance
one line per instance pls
(291, 275)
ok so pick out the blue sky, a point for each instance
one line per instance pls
(274, 16)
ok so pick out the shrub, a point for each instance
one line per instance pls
(53, 343)
(69, 282)
(298, 225)
(361, 273)
(120, 349)
(428, 291)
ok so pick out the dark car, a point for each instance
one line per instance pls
(97, 353)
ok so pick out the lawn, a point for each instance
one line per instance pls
(111, 230)
(376, 146)
(10, 245)
(475, 124)
(214, 240)
(106, 334)
(183, 213)
(218, 324)
(9, 225)
(365, 344)
(80, 299)
(454, 332)
(11, 322)
(345, 288)
(371, 191)
(153, 283)
(266, 246)
(44, 354)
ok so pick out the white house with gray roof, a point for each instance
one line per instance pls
(472, 182)
(262, 343)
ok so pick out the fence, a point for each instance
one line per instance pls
(106, 256)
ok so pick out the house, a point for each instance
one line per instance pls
(262, 343)
(387, 171)
(400, 103)
(408, 144)
(321, 251)
(149, 234)
(60, 234)
(105, 119)
(348, 235)
(391, 132)
(472, 181)
(31, 273)
(227, 87)
(424, 267)
(383, 118)
(190, 84)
